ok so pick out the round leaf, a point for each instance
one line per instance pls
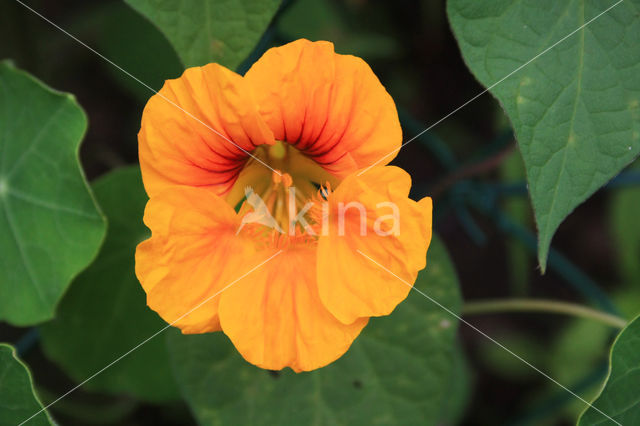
(18, 401)
(620, 398)
(50, 226)
(104, 314)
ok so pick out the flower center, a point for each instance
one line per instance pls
(284, 207)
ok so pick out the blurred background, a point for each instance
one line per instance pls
(468, 163)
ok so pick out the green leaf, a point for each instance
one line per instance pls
(575, 108)
(620, 398)
(104, 313)
(397, 372)
(459, 391)
(134, 43)
(577, 350)
(324, 20)
(222, 31)
(18, 401)
(50, 226)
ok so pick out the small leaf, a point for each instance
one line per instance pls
(222, 31)
(397, 372)
(104, 313)
(18, 401)
(620, 398)
(50, 226)
(575, 108)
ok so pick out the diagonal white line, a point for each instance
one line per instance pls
(360, 173)
(493, 85)
(489, 337)
(148, 338)
(149, 87)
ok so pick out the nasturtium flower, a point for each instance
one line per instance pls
(228, 178)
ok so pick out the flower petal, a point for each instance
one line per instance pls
(203, 144)
(352, 286)
(331, 107)
(275, 318)
(192, 255)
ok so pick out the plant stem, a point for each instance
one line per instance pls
(557, 261)
(541, 305)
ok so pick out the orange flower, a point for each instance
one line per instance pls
(302, 118)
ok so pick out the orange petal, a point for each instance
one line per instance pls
(193, 253)
(352, 286)
(331, 107)
(195, 129)
(275, 318)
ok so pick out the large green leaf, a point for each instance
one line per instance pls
(50, 226)
(575, 108)
(104, 313)
(222, 31)
(397, 372)
(18, 401)
(620, 398)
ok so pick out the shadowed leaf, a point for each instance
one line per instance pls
(18, 402)
(222, 31)
(104, 314)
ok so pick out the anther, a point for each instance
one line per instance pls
(284, 178)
